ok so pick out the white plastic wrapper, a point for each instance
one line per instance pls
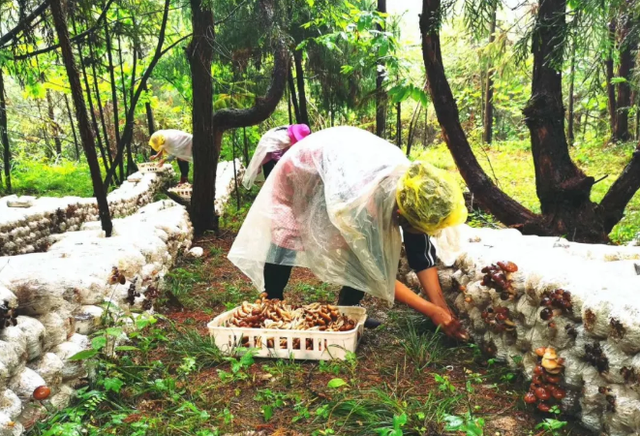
(49, 367)
(71, 369)
(25, 383)
(276, 139)
(8, 427)
(330, 200)
(64, 396)
(35, 335)
(10, 404)
(56, 328)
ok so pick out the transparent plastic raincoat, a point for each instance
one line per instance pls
(273, 141)
(331, 200)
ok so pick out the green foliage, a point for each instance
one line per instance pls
(467, 424)
(51, 180)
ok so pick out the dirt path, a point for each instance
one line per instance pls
(404, 376)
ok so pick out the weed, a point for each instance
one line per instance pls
(468, 424)
(444, 384)
(423, 347)
(238, 366)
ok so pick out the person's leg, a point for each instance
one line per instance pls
(351, 297)
(277, 271)
(275, 280)
(184, 170)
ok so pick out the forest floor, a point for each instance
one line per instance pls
(404, 379)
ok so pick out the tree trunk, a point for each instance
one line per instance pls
(48, 151)
(302, 98)
(81, 114)
(122, 81)
(611, 92)
(54, 125)
(289, 108)
(73, 127)
(563, 189)
(4, 135)
(294, 99)
(206, 140)
(399, 124)
(570, 133)
(628, 47)
(131, 165)
(487, 134)
(381, 98)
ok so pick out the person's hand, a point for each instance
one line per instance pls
(153, 157)
(162, 161)
(449, 324)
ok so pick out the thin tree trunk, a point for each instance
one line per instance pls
(399, 124)
(412, 127)
(426, 124)
(103, 123)
(114, 85)
(45, 132)
(235, 171)
(122, 80)
(73, 127)
(150, 122)
(246, 147)
(54, 125)
(131, 165)
(206, 140)
(4, 135)
(628, 46)
(292, 95)
(611, 92)
(381, 98)
(106, 162)
(81, 114)
(289, 109)
(487, 135)
(570, 135)
(302, 98)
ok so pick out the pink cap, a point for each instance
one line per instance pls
(297, 132)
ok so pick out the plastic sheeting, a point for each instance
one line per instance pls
(330, 203)
(274, 140)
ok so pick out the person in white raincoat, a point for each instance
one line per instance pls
(334, 204)
(173, 144)
(272, 146)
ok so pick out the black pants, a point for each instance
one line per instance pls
(184, 168)
(266, 168)
(277, 276)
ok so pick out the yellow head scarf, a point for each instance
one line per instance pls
(156, 141)
(430, 199)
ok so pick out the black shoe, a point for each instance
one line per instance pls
(372, 323)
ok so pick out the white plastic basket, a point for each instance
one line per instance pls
(183, 191)
(285, 344)
(149, 167)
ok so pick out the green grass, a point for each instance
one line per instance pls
(43, 179)
(510, 165)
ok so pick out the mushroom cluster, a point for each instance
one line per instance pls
(277, 314)
(555, 303)
(132, 292)
(497, 276)
(7, 315)
(545, 386)
(498, 319)
(117, 277)
(595, 356)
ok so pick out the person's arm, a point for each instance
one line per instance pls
(441, 317)
(431, 285)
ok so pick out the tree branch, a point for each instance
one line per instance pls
(78, 37)
(620, 193)
(506, 209)
(232, 13)
(11, 34)
(264, 106)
